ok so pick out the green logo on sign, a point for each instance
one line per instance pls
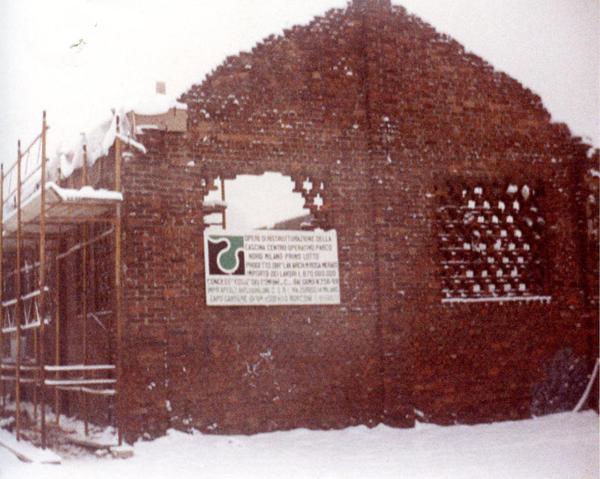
(226, 255)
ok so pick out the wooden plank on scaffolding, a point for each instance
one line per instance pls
(63, 206)
(33, 325)
(98, 392)
(24, 297)
(81, 367)
(78, 382)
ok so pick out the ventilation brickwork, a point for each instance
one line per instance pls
(490, 240)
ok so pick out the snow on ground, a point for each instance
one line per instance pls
(561, 446)
(9, 441)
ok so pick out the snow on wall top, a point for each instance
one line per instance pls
(157, 105)
(100, 139)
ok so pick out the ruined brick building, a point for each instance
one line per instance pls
(468, 280)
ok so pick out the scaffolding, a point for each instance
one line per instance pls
(39, 217)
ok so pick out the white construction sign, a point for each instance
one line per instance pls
(271, 267)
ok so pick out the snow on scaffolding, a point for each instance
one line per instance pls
(84, 193)
(100, 139)
(98, 142)
(87, 201)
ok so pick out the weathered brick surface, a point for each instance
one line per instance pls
(385, 112)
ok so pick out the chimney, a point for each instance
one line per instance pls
(161, 88)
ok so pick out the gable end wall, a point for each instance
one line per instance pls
(385, 112)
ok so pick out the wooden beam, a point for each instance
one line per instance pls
(2, 279)
(57, 332)
(19, 305)
(24, 152)
(84, 175)
(33, 236)
(30, 146)
(91, 241)
(118, 293)
(42, 285)
(84, 281)
(37, 358)
(75, 220)
(30, 175)
(84, 307)
(224, 213)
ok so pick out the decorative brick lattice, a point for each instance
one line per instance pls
(490, 240)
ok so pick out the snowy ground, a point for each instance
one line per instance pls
(560, 446)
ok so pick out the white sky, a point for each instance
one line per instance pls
(124, 46)
(255, 202)
(551, 46)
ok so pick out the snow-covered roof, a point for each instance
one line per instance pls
(100, 139)
(63, 205)
(98, 142)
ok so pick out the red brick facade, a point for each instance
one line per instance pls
(388, 114)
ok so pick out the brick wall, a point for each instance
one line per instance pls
(385, 112)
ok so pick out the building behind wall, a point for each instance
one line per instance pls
(466, 288)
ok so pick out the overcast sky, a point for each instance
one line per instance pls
(79, 58)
